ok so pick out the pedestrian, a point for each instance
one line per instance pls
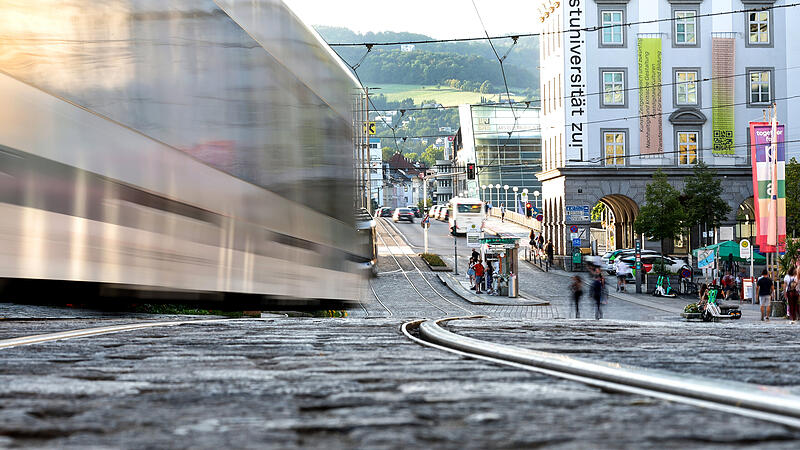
(475, 255)
(792, 297)
(502, 212)
(728, 284)
(764, 285)
(479, 271)
(548, 250)
(791, 275)
(597, 293)
(471, 273)
(577, 293)
(623, 270)
(489, 277)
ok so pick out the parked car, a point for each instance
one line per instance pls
(384, 212)
(609, 258)
(673, 265)
(403, 214)
(415, 210)
(434, 211)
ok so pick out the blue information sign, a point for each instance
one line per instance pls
(576, 242)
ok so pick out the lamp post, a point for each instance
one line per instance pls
(483, 193)
(505, 188)
(516, 203)
(497, 191)
(536, 194)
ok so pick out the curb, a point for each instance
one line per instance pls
(475, 299)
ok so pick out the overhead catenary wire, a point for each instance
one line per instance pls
(517, 36)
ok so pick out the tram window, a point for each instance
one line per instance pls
(474, 208)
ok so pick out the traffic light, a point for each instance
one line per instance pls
(470, 171)
(528, 209)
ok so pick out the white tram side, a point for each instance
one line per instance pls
(466, 213)
(159, 162)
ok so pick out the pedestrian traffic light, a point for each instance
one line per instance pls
(528, 209)
(470, 171)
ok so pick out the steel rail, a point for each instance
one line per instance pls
(84, 332)
(405, 273)
(423, 275)
(761, 402)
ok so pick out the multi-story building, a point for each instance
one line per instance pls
(506, 147)
(629, 87)
(444, 184)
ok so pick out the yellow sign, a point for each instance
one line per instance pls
(369, 126)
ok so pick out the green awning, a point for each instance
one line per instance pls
(726, 248)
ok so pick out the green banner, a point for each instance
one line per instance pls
(722, 61)
(650, 124)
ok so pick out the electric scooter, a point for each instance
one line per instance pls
(664, 291)
(716, 310)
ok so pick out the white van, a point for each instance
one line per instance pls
(466, 213)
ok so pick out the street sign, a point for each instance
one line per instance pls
(574, 236)
(576, 242)
(369, 127)
(573, 229)
(473, 240)
(705, 259)
(577, 213)
(539, 217)
(745, 250)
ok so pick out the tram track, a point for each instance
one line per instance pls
(415, 269)
(756, 401)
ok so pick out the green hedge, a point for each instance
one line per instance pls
(433, 259)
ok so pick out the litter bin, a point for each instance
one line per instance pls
(512, 286)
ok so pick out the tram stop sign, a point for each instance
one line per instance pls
(577, 256)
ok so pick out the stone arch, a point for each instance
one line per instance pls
(623, 211)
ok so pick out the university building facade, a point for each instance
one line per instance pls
(630, 87)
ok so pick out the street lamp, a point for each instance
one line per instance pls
(516, 203)
(505, 188)
(497, 191)
(537, 194)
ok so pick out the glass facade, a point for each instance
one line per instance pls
(504, 159)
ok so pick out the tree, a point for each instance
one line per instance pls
(430, 155)
(702, 199)
(486, 87)
(387, 153)
(662, 216)
(411, 156)
(792, 198)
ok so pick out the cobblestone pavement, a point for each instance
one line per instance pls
(332, 383)
(358, 382)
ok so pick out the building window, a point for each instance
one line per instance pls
(687, 147)
(611, 22)
(614, 143)
(759, 84)
(613, 82)
(758, 28)
(686, 87)
(686, 27)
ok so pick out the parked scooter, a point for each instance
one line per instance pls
(664, 291)
(716, 310)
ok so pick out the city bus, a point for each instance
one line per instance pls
(466, 213)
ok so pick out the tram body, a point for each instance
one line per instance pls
(467, 214)
(187, 146)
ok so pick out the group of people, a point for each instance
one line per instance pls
(537, 242)
(481, 274)
(597, 290)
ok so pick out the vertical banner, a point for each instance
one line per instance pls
(577, 136)
(723, 52)
(650, 124)
(761, 154)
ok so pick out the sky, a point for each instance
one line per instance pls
(440, 19)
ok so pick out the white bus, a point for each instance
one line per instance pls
(466, 213)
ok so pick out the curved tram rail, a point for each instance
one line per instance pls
(760, 402)
(418, 271)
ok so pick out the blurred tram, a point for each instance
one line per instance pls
(189, 146)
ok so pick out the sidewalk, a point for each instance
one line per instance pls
(460, 286)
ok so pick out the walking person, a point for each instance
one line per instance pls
(479, 271)
(502, 212)
(623, 269)
(792, 297)
(765, 291)
(790, 276)
(597, 293)
(577, 293)
(548, 250)
(489, 277)
(471, 272)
